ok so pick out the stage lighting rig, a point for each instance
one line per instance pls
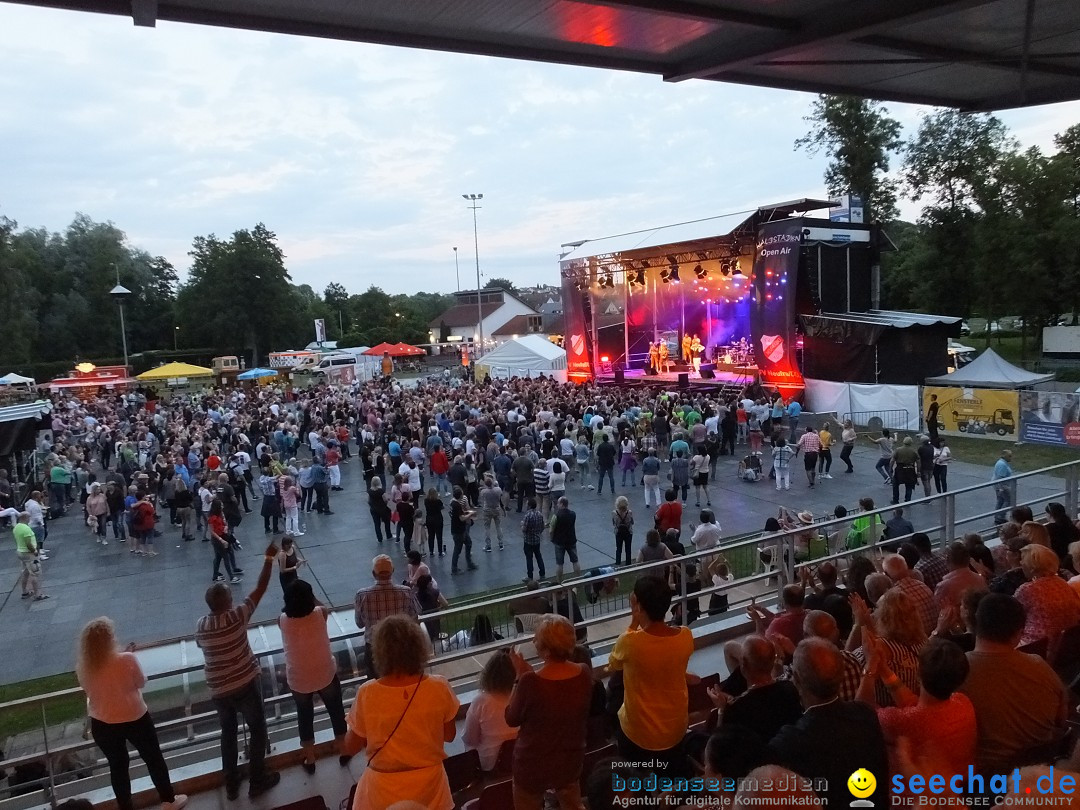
(701, 273)
(606, 281)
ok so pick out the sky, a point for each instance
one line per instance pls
(356, 156)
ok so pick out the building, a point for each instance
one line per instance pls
(457, 326)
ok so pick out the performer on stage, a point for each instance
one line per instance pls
(664, 357)
(654, 356)
(686, 348)
(696, 348)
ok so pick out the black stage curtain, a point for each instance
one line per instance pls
(851, 361)
(19, 435)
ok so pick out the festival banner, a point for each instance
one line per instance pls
(1050, 417)
(772, 309)
(575, 335)
(980, 412)
(320, 330)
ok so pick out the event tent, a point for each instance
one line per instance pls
(394, 350)
(16, 379)
(526, 356)
(171, 371)
(989, 370)
(405, 350)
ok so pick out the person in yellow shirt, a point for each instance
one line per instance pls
(653, 658)
(825, 455)
(686, 341)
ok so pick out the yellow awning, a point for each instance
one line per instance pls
(172, 370)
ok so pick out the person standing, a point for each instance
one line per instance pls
(27, 550)
(289, 561)
(942, 457)
(36, 509)
(699, 474)
(320, 483)
(564, 537)
(113, 682)
(232, 676)
(522, 469)
(582, 454)
(433, 522)
(310, 668)
(219, 540)
(461, 516)
(492, 507)
(884, 443)
(650, 472)
(905, 470)
(848, 435)
(825, 454)
(622, 519)
(1002, 470)
(810, 445)
(932, 419)
(926, 453)
(59, 482)
(781, 462)
(375, 602)
(605, 463)
(532, 533)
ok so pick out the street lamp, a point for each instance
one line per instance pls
(119, 293)
(175, 338)
(474, 199)
(457, 271)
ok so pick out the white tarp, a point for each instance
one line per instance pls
(897, 406)
(527, 356)
(990, 370)
(16, 379)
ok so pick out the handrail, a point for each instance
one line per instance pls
(784, 562)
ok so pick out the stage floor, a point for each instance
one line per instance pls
(637, 378)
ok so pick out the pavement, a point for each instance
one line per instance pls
(153, 599)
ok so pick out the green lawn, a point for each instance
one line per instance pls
(25, 718)
(1026, 457)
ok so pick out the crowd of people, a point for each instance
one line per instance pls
(910, 666)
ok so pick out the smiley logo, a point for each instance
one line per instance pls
(861, 783)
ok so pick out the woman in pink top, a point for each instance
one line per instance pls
(310, 667)
(113, 683)
(290, 494)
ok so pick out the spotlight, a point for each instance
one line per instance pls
(735, 271)
(701, 273)
(636, 278)
(670, 274)
(725, 267)
(675, 274)
(665, 274)
(606, 281)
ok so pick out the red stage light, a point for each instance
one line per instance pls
(604, 358)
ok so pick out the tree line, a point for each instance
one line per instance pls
(1000, 230)
(238, 298)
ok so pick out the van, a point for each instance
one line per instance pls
(332, 361)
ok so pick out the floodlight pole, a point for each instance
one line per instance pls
(457, 271)
(474, 199)
(120, 292)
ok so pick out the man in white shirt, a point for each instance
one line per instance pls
(34, 508)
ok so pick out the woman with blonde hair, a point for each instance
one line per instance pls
(403, 718)
(113, 682)
(1050, 604)
(622, 519)
(550, 708)
(897, 624)
(1035, 533)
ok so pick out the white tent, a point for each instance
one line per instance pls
(16, 379)
(989, 370)
(527, 356)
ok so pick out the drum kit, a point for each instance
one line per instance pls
(736, 353)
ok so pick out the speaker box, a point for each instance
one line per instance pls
(620, 376)
(684, 379)
(650, 371)
(708, 371)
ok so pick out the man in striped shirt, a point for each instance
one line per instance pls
(542, 486)
(232, 676)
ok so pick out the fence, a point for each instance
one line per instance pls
(895, 419)
(187, 725)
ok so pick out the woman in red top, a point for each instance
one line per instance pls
(219, 539)
(669, 515)
(440, 465)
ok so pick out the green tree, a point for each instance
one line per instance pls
(18, 304)
(500, 283)
(858, 136)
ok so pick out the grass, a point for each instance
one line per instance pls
(1026, 457)
(25, 718)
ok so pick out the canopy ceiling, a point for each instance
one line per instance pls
(971, 54)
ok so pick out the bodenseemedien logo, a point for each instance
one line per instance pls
(862, 785)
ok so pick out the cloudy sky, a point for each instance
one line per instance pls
(357, 155)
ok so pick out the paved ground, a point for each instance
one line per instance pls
(157, 598)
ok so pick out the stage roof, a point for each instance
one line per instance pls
(971, 54)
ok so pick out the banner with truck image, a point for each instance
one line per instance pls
(982, 412)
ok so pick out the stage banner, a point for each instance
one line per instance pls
(1050, 417)
(575, 336)
(983, 412)
(772, 311)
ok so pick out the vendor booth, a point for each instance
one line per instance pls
(178, 377)
(528, 356)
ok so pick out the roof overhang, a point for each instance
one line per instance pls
(970, 54)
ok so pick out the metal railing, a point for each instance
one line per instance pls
(187, 724)
(894, 419)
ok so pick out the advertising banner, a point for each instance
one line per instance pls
(772, 308)
(1050, 417)
(575, 336)
(320, 330)
(981, 412)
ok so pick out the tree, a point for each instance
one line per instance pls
(858, 136)
(500, 283)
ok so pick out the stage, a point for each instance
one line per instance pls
(728, 382)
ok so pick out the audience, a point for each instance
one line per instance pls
(1050, 604)
(896, 625)
(485, 722)
(931, 565)
(959, 579)
(1020, 703)
(896, 568)
(767, 704)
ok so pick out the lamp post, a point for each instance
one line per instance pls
(119, 293)
(176, 338)
(474, 199)
(457, 271)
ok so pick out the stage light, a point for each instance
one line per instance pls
(735, 271)
(637, 278)
(606, 281)
(701, 273)
(605, 359)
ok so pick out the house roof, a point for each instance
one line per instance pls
(969, 54)
(518, 325)
(463, 315)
